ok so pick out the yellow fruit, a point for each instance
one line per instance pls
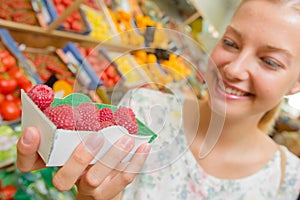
(151, 58)
(62, 86)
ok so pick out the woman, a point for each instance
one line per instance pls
(252, 67)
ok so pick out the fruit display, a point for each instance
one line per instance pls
(126, 29)
(15, 185)
(92, 4)
(13, 78)
(8, 191)
(168, 69)
(176, 67)
(8, 141)
(149, 63)
(133, 73)
(18, 11)
(105, 70)
(49, 63)
(101, 29)
(76, 22)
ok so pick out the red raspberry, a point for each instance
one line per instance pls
(125, 117)
(106, 114)
(41, 95)
(105, 124)
(88, 117)
(62, 116)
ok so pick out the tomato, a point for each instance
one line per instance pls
(2, 97)
(10, 97)
(25, 85)
(76, 26)
(9, 62)
(8, 192)
(67, 3)
(56, 2)
(7, 85)
(4, 53)
(9, 110)
(15, 72)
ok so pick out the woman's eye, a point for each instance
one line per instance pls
(229, 43)
(271, 63)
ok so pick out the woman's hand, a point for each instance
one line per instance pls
(103, 180)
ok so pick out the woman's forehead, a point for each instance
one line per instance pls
(273, 23)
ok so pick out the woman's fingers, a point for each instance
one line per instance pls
(115, 179)
(66, 177)
(109, 161)
(116, 182)
(27, 146)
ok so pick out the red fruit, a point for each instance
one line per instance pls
(9, 62)
(106, 124)
(125, 117)
(87, 117)
(62, 116)
(66, 2)
(106, 114)
(41, 95)
(76, 26)
(66, 25)
(76, 16)
(9, 110)
(60, 8)
(4, 53)
(109, 83)
(8, 192)
(7, 85)
(117, 78)
(111, 71)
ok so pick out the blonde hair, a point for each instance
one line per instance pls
(267, 122)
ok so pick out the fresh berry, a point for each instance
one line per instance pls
(106, 114)
(41, 95)
(62, 116)
(125, 117)
(88, 117)
(105, 124)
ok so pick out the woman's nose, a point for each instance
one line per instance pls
(237, 68)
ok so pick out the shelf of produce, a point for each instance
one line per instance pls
(41, 37)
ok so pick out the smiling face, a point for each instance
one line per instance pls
(258, 58)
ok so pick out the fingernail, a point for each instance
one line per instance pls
(27, 137)
(126, 142)
(94, 142)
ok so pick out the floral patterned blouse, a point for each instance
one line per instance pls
(172, 173)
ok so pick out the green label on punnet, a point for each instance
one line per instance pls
(76, 99)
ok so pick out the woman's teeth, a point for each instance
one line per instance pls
(231, 91)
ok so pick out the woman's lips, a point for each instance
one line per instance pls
(230, 92)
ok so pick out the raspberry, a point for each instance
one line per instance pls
(88, 117)
(41, 95)
(106, 114)
(125, 117)
(62, 116)
(105, 124)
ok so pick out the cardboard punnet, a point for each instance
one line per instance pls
(57, 145)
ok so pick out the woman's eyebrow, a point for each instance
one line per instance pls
(231, 28)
